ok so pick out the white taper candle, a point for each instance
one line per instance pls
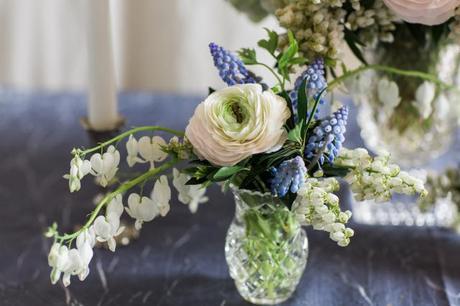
(102, 98)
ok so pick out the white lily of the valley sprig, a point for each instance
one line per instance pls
(107, 227)
(73, 261)
(105, 166)
(161, 195)
(191, 195)
(78, 169)
(132, 147)
(150, 149)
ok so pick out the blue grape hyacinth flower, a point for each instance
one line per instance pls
(315, 82)
(231, 69)
(288, 176)
(328, 137)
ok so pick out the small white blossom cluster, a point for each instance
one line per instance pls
(374, 24)
(70, 262)
(154, 149)
(145, 209)
(103, 167)
(319, 25)
(145, 150)
(191, 195)
(106, 227)
(376, 178)
(317, 205)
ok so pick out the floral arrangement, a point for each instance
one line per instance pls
(247, 136)
(398, 113)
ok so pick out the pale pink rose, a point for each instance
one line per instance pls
(237, 122)
(428, 12)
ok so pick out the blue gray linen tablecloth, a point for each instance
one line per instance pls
(179, 260)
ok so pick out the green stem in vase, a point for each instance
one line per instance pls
(267, 239)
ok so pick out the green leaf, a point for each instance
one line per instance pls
(289, 53)
(290, 122)
(298, 60)
(270, 44)
(248, 56)
(296, 133)
(195, 181)
(352, 43)
(226, 172)
(302, 101)
(335, 170)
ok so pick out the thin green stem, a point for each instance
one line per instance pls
(120, 190)
(131, 132)
(312, 115)
(281, 82)
(388, 69)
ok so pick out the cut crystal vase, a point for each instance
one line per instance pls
(266, 248)
(409, 118)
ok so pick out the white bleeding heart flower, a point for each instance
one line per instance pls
(107, 227)
(57, 260)
(237, 122)
(161, 195)
(72, 261)
(143, 209)
(78, 169)
(105, 166)
(424, 96)
(388, 93)
(116, 206)
(132, 147)
(150, 149)
(191, 195)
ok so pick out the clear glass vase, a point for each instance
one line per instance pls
(409, 118)
(406, 116)
(266, 248)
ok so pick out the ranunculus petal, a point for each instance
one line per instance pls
(237, 122)
(428, 12)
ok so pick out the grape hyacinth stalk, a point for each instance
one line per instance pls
(315, 82)
(231, 69)
(289, 176)
(327, 137)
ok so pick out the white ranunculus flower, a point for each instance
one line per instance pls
(428, 12)
(236, 122)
